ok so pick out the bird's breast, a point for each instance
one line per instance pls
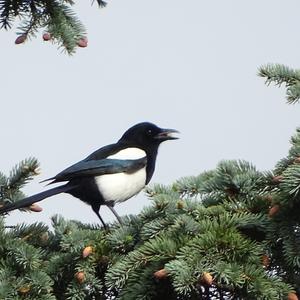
(121, 186)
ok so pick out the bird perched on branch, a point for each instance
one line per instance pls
(110, 175)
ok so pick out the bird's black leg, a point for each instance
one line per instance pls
(115, 213)
(96, 210)
(104, 225)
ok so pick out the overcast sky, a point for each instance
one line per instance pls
(190, 65)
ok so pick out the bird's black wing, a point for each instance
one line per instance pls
(105, 151)
(100, 167)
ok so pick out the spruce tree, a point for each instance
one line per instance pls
(55, 17)
(229, 233)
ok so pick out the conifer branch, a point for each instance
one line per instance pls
(280, 74)
(56, 17)
(22, 173)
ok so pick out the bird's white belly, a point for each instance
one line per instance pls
(121, 186)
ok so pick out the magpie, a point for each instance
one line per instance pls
(111, 174)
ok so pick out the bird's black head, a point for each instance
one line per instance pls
(147, 135)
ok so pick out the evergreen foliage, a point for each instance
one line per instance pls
(228, 233)
(56, 17)
(281, 74)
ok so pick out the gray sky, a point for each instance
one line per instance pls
(189, 65)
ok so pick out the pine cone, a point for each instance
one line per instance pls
(274, 210)
(20, 39)
(80, 277)
(292, 296)
(46, 36)
(44, 237)
(180, 204)
(160, 274)
(265, 260)
(83, 42)
(87, 251)
(34, 207)
(24, 289)
(277, 179)
(207, 278)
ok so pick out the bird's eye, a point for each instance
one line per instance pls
(149, 132)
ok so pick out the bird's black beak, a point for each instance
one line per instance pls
(167, 134)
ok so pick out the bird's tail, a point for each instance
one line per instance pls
(36, 198)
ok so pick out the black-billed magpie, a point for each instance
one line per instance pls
(111, 174)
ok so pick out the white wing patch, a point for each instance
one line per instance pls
(129, 153)
(121, 186)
